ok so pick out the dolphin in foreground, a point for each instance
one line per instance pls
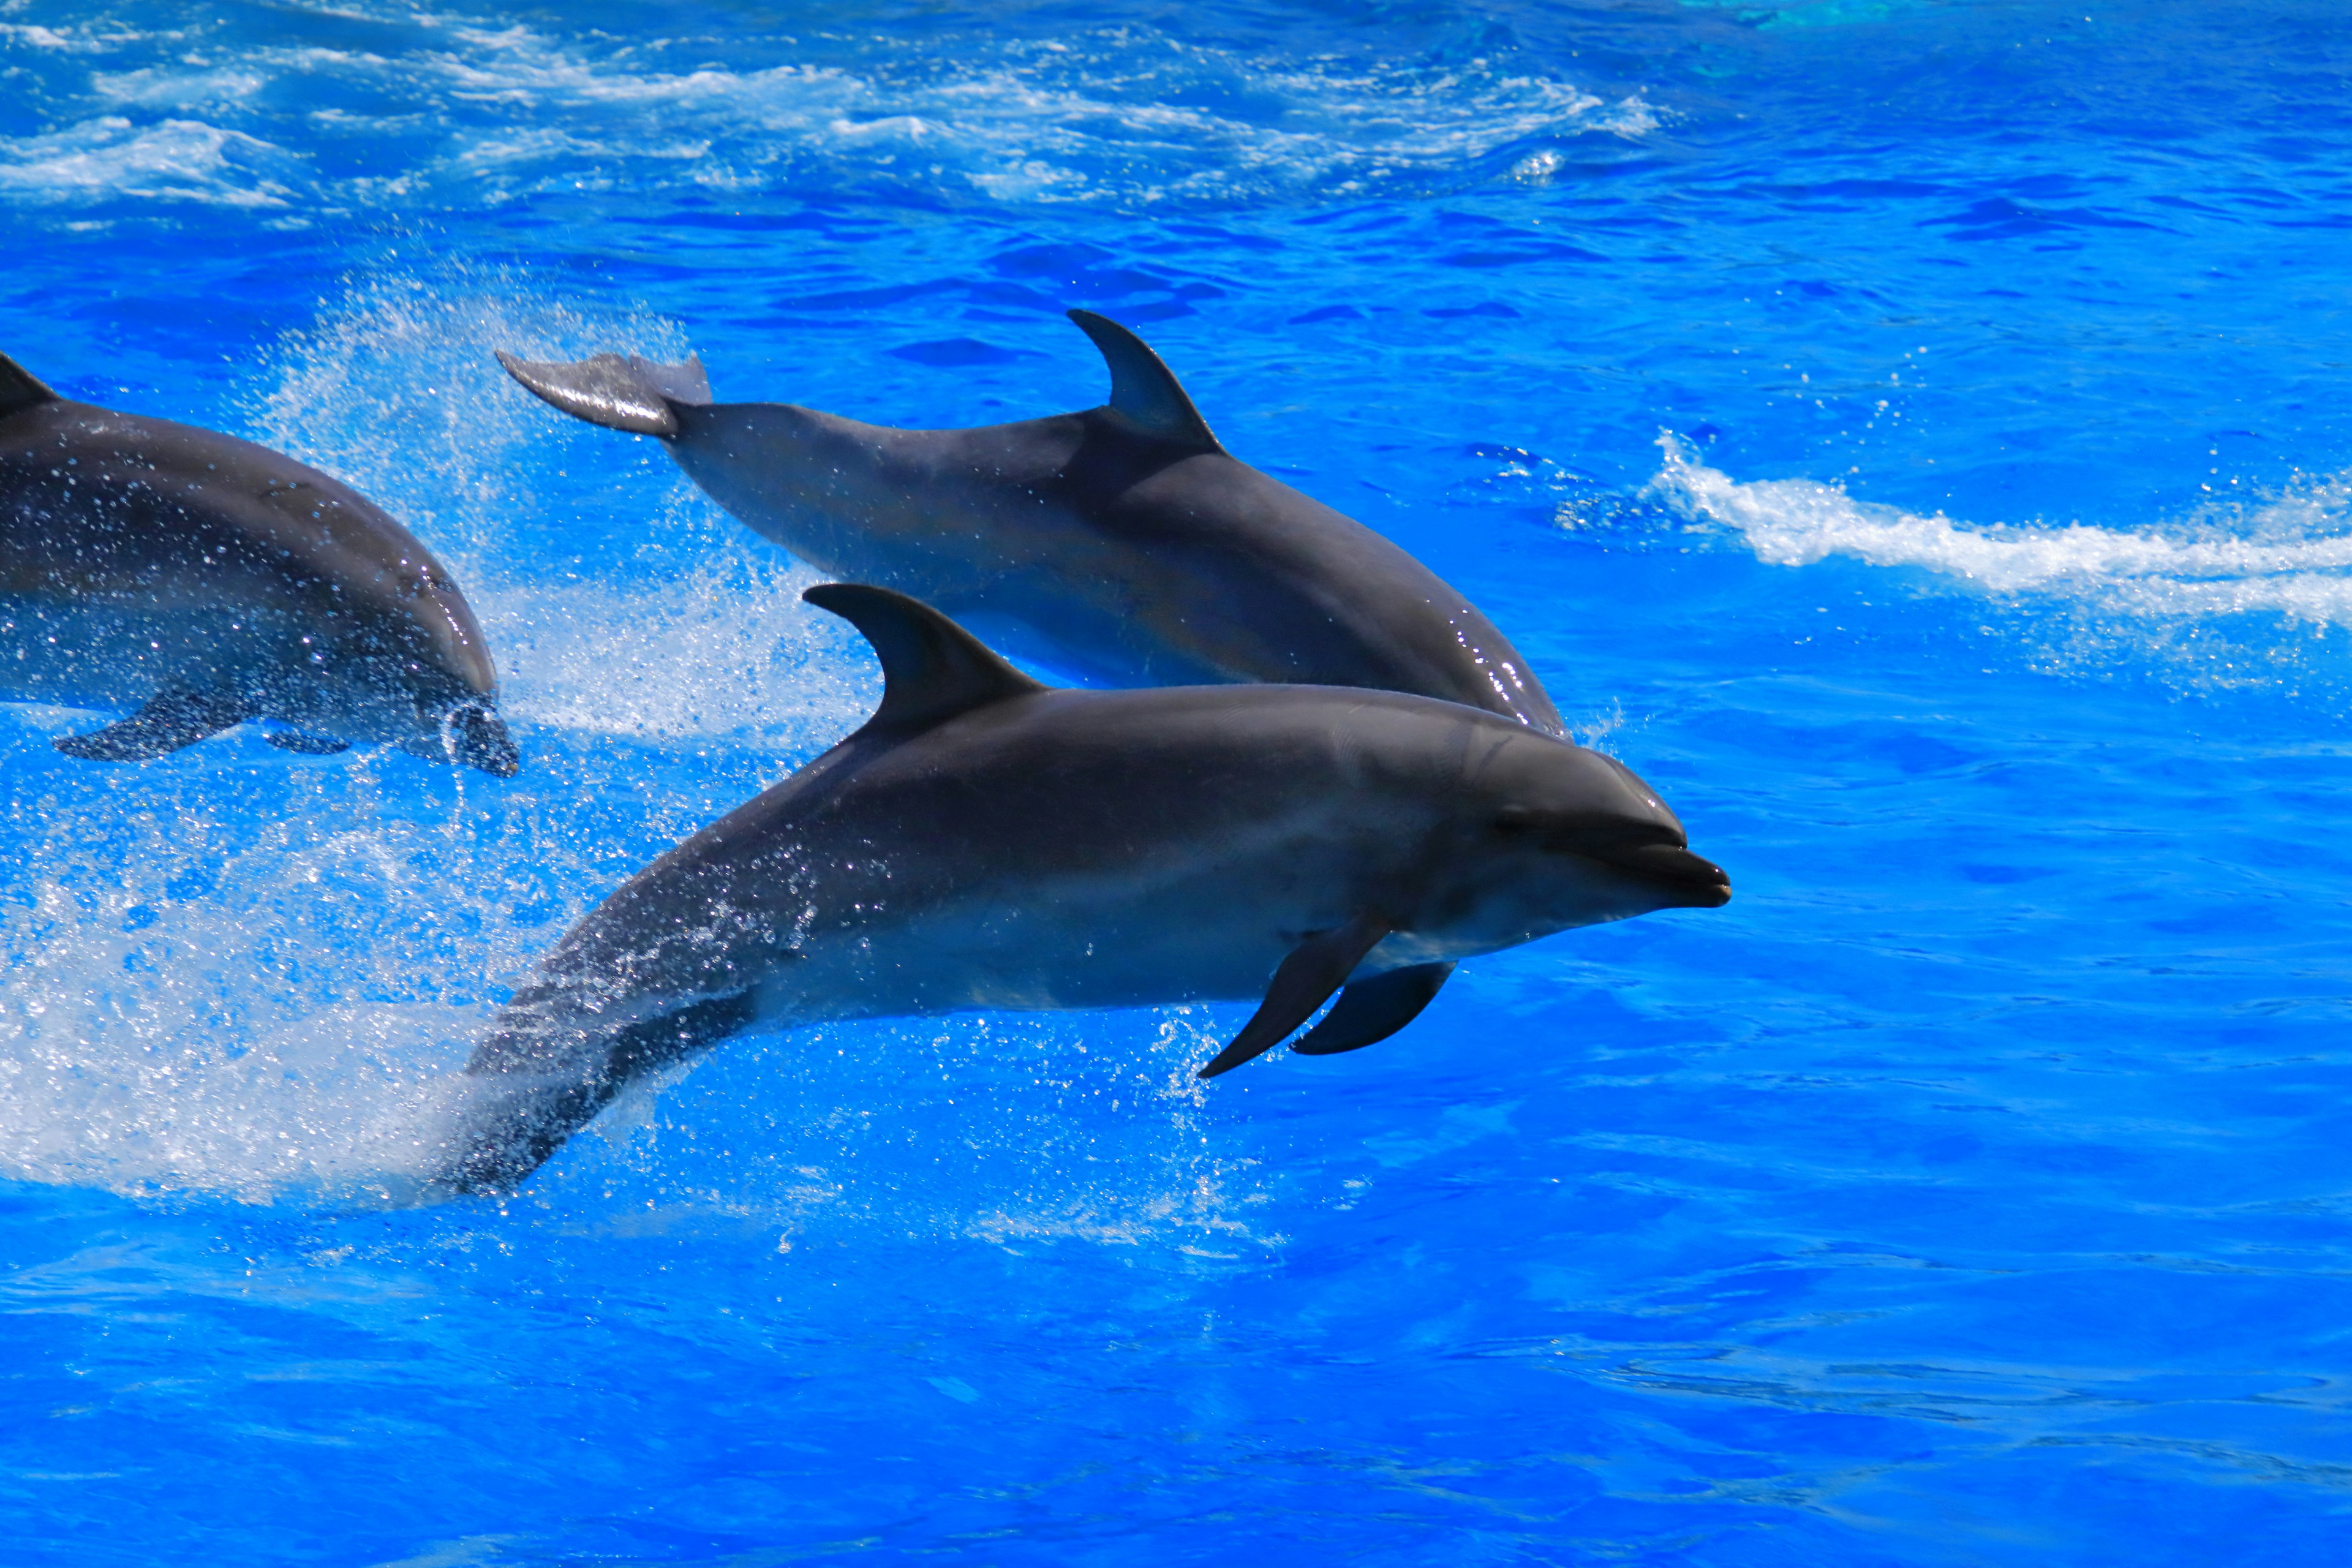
(988, 842)
(204, 581)
(1123, 541)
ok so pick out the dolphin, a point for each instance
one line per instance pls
(988, 842)
(1124, 541)
(204, 581)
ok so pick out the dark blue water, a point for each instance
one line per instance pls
(1913, 434)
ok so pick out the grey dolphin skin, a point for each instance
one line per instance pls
(204, 581)
(1123, 542)
(988, 842)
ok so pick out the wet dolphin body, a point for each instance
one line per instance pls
(987, 842)
(204, 581)
(1122, 541)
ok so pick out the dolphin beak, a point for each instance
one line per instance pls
(1697, 883)
(480, 741)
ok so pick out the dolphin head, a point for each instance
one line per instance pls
(411, 669)
(457, 689)
(1540, 835)
(452, 687)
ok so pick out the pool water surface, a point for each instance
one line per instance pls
(1912, 434)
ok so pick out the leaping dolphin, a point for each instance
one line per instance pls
(988, 842)
(1122, 541)
(204, 581)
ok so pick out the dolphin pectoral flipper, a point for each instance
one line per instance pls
(20, 388)
(1316, 968)
(625, 394)
(171, 721)
(1369, 1011)
(1143, 391)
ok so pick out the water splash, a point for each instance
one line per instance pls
(628, 606)
(259, 981)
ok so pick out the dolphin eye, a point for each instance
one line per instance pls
(1517, 820)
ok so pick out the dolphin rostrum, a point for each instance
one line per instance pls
(204, 581)
(1123, 541)
(988, 842)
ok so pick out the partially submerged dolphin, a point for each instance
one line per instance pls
(204, 581)
(1123, 541)
(988, 842)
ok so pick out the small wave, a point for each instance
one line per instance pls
(111, 159)
(165, 87)
(2288, 555)
(451, 107)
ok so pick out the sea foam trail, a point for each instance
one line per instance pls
(2289, 555)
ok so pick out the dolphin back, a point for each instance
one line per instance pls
(20, 389)
(575, 1035)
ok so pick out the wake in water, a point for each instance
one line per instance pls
(2291, 555)
(2205, 598)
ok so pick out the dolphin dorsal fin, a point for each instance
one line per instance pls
(1143, 391)
(20, 389)
(932, 669)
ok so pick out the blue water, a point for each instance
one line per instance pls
(1911, 432)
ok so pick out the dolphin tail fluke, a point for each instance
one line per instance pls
(20, 388)
(511, 1129)
(622, 392)
(536, 1083)
(1316, 968)
(168, 723)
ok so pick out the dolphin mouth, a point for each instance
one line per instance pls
(1697, 882)
(478, 738)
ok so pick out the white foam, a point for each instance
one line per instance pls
(168, 88)
(245, 981)
(109, 158)
(1123, 116)
(2289, 554)
(74, 40)
(348, 1104)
